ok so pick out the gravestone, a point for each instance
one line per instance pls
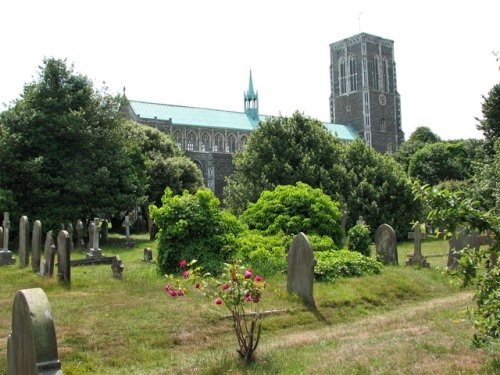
(417, 259)
(63, 257)
(24, 230)
(386, 245)
(36, 245)
(148, 255)
(95, 252)
(1, 238)
(6, 257)
(462, 239)
(70, 232)
(301, 263)
(104, 231)
(360, 220)
(128, 242)
(91, 235)
(32, 345)
(80, 243)
(47, 267)
(117, 267)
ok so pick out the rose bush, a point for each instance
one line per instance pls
(237, 288)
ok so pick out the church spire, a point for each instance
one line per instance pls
(251, 101)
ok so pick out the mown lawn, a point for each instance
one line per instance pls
(405, 320)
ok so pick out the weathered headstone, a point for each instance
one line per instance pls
(127, 223)
(79, 235)
(24, 241)
(104, 231)
(1, 238)
(32, 345)
(360, 220)
(36, 245)
(117, 267)
(301, 263)
(70, 231)
(417, 258)
(63, 257)
(462, 239)
(386, 245)
(148, 254)
(6, 257)
(95, 251)
(91, 235)
(47, 267)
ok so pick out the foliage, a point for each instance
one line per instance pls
(294, 209)
(378, 189)
(65, 152)
(477, 268)
(490, 124)
(344, 263)
(193, 226)
(419, 138)
(284, 151)
(235, 288)
(486, 186)
(358, 239)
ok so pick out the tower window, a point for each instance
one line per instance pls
(383, 126)
(342, 77)
(352, 74)
(376, 75)
(347, 75)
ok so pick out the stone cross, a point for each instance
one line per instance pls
(79, 234)
(360, 221)
(5, 254)
(32, 345)
(95, 251)
(24, 228)
(386, 245)
(63, 258)
(117, 267)
(417, 258)
(460, 240)
(36, 245)
(301, 263)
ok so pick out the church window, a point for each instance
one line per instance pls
(219, 143)
(385, 76)
(389, 148)
(244, 141)
(364, 71)
(352, 74)
(231, 143)
(342, 77)
(178, 139)
(376, 75)
(383, 126)
(191, 141)
(205, 142)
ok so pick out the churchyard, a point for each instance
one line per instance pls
(114, 320)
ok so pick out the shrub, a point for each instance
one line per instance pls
(358, 239)
(193, 226)
(344, 263)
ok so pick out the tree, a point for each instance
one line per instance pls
(284, 151)
(490, 124)
(419, 138)
(64, 150)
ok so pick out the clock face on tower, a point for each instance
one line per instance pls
(381, 99)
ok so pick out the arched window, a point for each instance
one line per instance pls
(347, 75)
(342, 76)
(376, 73)
(353, 86)
(383, 125)
(205, 142)
(191, 141)
(384, 74)
(231, 143)
(219, 143)
(178, 139)
(243, 141)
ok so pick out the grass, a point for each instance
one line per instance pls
(406, 320)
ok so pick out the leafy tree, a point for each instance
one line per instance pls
(293, 209)
(490, 124)
(358, 239)
(284, 151)
(193, 226)
(64, 151)
(419, 138)
(378, 189)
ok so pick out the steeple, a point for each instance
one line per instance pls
(251, 101)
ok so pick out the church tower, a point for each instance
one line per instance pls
(364, 91)
(251, 101)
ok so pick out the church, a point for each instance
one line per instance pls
(364, 102)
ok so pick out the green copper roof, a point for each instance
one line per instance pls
(344, 132)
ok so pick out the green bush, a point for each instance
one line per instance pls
(192, 226)
(358, 239)
(344, 263)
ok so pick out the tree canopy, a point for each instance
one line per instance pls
(421, 137)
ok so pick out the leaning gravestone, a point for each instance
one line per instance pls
(36, 245)
(24, 230)
(117, 267)
(5, 254)
(417, 259)
(63, 257)
(47, 267)
(32, 345)
(301, 263)
(386, 245)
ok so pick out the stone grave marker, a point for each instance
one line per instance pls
(128, 242)
(80, 243)
(63, 257)
(104, 231)
(6, 257)
(360, 220)
(148, 255)
(1, 238)
(301, 263)
(24, 229)
(47, 267)
(91, 235)
(417, 258)
(117, 267)
(70, 231)
(95, 251)
(462, 239)
(32, 345)
(36, 245)
(386, 245)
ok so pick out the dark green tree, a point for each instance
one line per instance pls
(419, 138)
(490, 123)
(284, 151)
(64, 150)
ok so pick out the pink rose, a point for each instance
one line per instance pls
(218, 302)
(248, 298)
(225, 286)
(183, 263)
(185, 274)
(258, 278)
(248, 273)
(172, 292)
